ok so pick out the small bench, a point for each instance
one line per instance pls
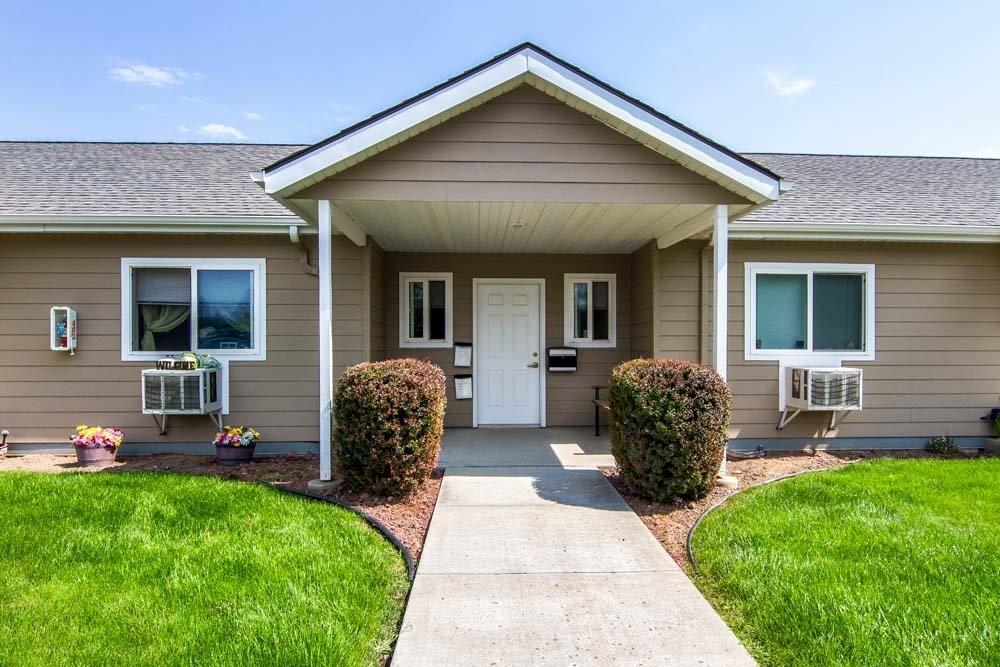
(599, 405)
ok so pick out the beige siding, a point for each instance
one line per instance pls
(937, 366)
(44, 394)
(642, 264)
(523, 146)
(679, 302)
(350, 312)
(568, 395)
(376, 264)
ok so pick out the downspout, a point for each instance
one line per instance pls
(257, 177)
(293, 236)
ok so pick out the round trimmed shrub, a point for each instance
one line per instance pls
(668, 427)
(389, 421)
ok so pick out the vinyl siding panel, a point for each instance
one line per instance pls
(523, 146)
(44, 394)
(937, 363)
(642, 265)
(568, 395)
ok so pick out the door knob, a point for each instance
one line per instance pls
(533, 364)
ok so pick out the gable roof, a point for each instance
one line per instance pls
(126, 183)
(48, 184)
(861, 196)
(531, 65)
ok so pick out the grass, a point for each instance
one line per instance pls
(155, 569)
(891, 562)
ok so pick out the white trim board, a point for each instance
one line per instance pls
(149, 224)
(813, 231)
(542, 370)
(528, 65)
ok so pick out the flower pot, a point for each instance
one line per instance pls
(226, 455)
(95, 456)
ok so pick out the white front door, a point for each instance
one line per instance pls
(508, 363)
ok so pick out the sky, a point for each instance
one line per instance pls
(893, 78)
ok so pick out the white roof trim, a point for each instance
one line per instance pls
(525, 64)
(148, 224)
(766, 231)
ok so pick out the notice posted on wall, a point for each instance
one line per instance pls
(463, 387)
(463, 355)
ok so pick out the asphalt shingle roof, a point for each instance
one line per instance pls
(883, 190)
(55, 178)
(69, 178)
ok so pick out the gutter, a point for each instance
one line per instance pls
(149, 224)
(783, 231)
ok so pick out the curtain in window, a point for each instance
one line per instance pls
(163, 300)
(781, 312)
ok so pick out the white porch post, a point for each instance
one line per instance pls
(720, 302)
(325, 262)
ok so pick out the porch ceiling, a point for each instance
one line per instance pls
(517, 227)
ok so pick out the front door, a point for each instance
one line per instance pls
(508, 356)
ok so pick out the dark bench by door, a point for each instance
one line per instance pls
(599, 405)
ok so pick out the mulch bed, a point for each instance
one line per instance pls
(670, 523)
(407, 518)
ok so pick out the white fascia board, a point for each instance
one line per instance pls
(289, 175)
(652, 126)
(288, 178)
(762, 231)
(148, 224)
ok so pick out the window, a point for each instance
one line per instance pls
(590, 310)
(795, 309)
(425, 310)
(211, 306)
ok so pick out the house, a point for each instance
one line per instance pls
(521, 206)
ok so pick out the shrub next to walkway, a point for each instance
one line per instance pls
(390, 416)
(668, 427)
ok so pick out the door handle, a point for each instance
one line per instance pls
(533, 364)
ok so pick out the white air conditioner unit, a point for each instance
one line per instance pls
(193, 392)
(837, 390)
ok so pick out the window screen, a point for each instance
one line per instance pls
(599, 294)
(838, 311)
(225, 309)
(436, 309)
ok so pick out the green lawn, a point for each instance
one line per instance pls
(143, 568)
(891, 562)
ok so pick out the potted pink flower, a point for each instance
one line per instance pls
(235, 445)
(96, 445)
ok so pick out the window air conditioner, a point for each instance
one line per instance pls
(187, 392)
(837, 390)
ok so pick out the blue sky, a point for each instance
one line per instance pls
(881, 78)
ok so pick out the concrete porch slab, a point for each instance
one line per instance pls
(490, 447)
(529, 486)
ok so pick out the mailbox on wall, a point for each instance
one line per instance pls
(562, 359)
(62, 329)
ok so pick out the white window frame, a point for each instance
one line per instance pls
(569, 338)
(753, 269)
(259, 267)
(405, 341)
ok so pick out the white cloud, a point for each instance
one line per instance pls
(183, 128)
(788, 84)
(220, 131)
(252, 115)
(148, 75)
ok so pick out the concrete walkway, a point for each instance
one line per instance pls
(532, 561)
